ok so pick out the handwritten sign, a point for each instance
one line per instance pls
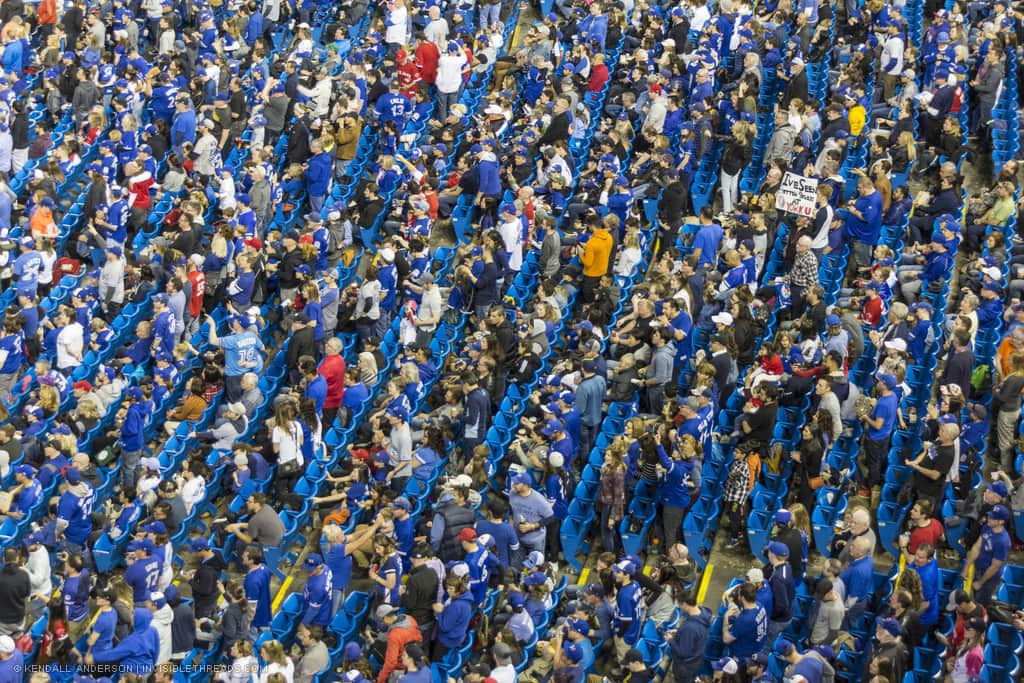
(797, 194)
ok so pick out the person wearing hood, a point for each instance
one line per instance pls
(183, 625)
(402, 630)
(489, 174)
(163, 618)
(595, 254)
(452, 617)
(205, 579)
(137, 653)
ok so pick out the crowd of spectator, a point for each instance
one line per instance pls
(436, 340)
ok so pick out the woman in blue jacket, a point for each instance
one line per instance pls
(674, 493)
(452, 617)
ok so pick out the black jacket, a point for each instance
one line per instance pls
(204, 585)
(420, 595)
(15, 588)
(183, 628)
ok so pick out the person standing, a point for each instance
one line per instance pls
(15, 590)
(590, 394)
(686, 643)
(243, 352)
(988, 555)
(879, 424)
(628, 607)
(780, 580)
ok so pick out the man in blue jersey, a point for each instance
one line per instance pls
(745, 627)
(989, 555)
(257, 589)
(629, 606)
(74, 514)
(27, 267)
(143, 574)
(243, 352)
(104, 623)
(879, 424)
(858, 579)
(317, 594)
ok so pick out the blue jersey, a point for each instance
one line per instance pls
(243, 352)
(317, 596)
(393, 107)
(392, 566)
(28, 497)
(143, 576)
(885, 408)
(77, 512)
(628, 612)
(749, 628)
(12, 351)
(104, 624)
(995, 546)
(257, 592)
(26, 270)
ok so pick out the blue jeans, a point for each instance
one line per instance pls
(316, 202)
(130, 469)
(445, 101)
(489, 14)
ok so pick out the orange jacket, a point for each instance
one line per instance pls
(405, 631)
(42, 223)
(596, 253)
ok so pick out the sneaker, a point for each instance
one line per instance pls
(732, 543)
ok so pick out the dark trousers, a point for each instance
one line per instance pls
(590, 284)
(875, 455)
(587, 436)
(233, 387)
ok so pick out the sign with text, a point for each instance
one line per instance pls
(797, 194)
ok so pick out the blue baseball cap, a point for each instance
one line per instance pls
(888, 379)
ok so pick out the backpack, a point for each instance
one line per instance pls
(981, 381)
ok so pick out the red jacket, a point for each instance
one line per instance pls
(138, 189)
(405, 631)
(427, 57)
(47, 12)
(195, 304)
(332, 369)
(598, 77)
(409, 78)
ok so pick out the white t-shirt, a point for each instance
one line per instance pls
(449, 72)
(512, 236)
(288, 442)
(398, 25)
(69, 345)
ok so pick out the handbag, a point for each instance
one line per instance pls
(288, 468)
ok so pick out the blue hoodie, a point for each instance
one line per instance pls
(318, 174)
(138, 652)
(183, 129)
(453, 622)
(489, 175)
(132, 430)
